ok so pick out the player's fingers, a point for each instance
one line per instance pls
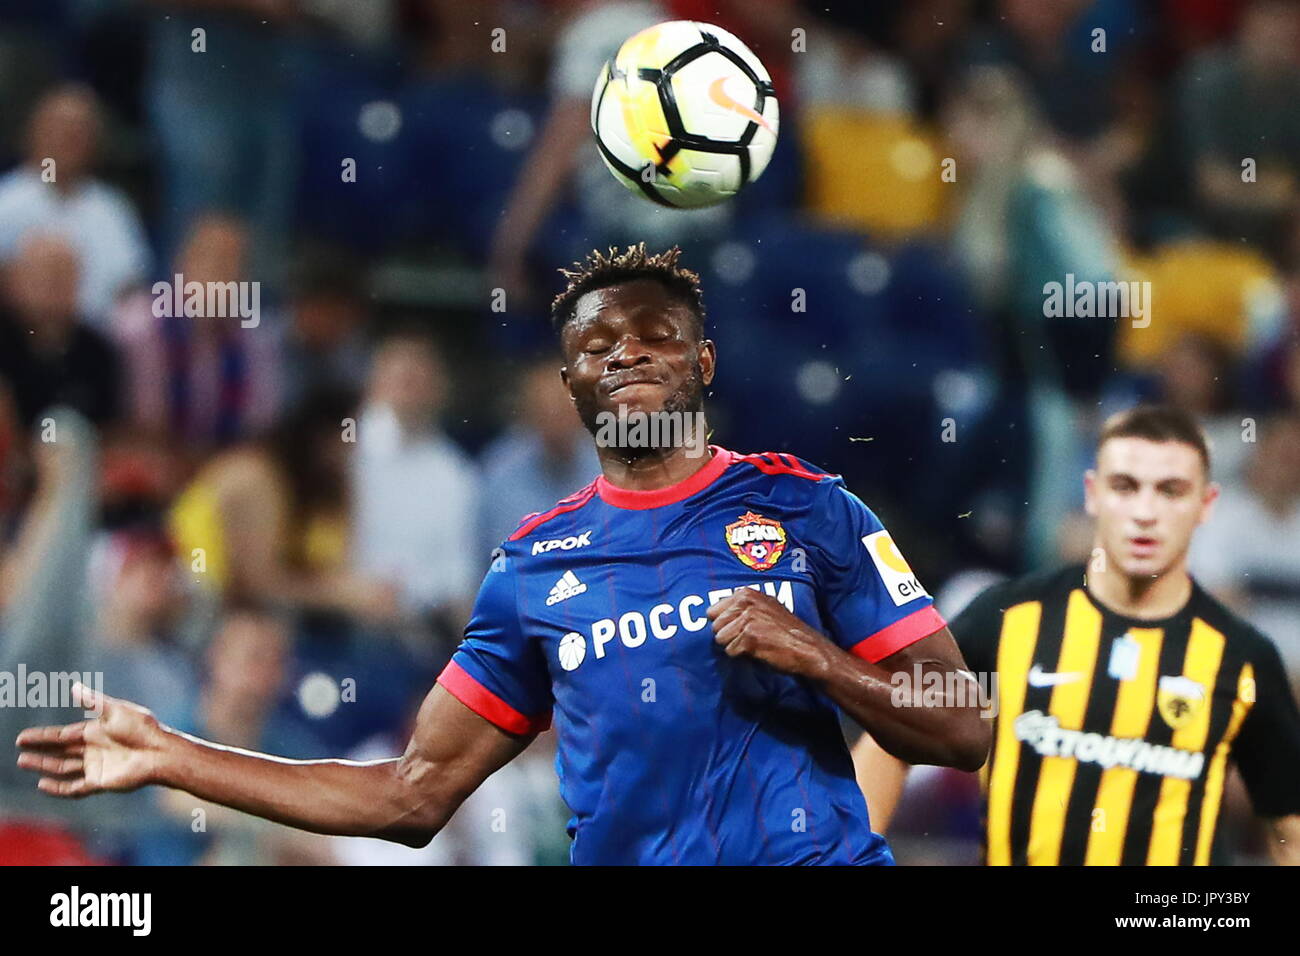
(738, 646)
(724, 631)
(732, 602)
(64, 788)
(60, 736)
(51, 765)
(88, 699)
(733, 639)
(723, 613)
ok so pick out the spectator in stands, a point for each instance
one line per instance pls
(223, 117)
(55, 191)
(1247, 551)
(269, 520)
(545, 457)
(45, 609)
(1239, 104)
(1052, 46)
(1273, 375)
(1025, 220)
(324, 343)
(48, 356)
(1197, 376)
(417, 493)
(850, 59)
(243, 703)
(210, 380)
(137, 590)
(139, 604)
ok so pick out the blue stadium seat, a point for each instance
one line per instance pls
(469, 147)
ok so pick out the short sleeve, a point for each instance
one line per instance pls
(872, 602)
(1267, 750)
(498, 671)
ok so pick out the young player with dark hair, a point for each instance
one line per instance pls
(1123, 689)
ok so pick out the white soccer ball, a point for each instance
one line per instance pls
(685, 114)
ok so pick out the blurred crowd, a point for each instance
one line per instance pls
(271, 532)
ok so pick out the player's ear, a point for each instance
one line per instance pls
(1090, 493)
(708, 360)
(568, 385)
(1207, 503)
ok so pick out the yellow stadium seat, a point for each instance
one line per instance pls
(1197, 286)
(874, 171)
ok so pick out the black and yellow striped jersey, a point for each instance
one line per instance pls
(1113, 735)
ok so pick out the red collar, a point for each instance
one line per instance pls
(658, 497)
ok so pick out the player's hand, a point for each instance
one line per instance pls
(120, 750)
(749, 623)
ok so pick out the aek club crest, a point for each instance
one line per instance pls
(759, 542)
(1179, 700)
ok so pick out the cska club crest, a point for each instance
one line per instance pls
(1179, 700)
(759, 542)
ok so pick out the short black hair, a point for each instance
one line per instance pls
(1158, 423)
(601, 270)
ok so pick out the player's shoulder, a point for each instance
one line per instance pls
(776, 463)
(555, 521)
(1239, 634)
(1038, 586)
(794, 476)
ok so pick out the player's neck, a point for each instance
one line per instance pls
(1137, 596)
(660, 469)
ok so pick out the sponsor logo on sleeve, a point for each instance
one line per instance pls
(894, 572)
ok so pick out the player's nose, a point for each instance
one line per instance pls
(628, 352)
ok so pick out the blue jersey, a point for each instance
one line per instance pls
(669, 751)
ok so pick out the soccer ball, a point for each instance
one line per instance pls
(684, 114)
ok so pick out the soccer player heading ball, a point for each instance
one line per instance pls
(693, 622)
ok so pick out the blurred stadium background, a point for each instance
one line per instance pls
(201, 535)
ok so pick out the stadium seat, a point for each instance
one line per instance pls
(464, 131)
(1197, 286)
(872, 171)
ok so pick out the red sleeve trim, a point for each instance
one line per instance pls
(462, 685)
(907, 630)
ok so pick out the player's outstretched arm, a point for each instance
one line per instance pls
(406, 799)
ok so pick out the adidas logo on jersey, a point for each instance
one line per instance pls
(568, 586)
(564, 544)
